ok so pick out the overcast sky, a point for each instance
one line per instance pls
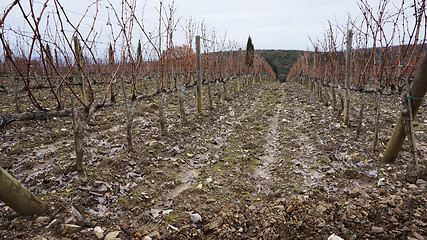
(272, 24)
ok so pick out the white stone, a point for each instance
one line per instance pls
(112, 235)
(99, 233)
(195, 217)
(334, 237)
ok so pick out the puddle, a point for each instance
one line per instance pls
(187, 178)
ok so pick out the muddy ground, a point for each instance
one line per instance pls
(271, 162)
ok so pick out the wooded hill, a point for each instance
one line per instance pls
(281, 60)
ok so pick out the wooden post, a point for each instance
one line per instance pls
(347, 78)
(240, 70)
(340, 98)
(218, 88)
(314, 71)
(111, 63)
(171, 74)
(224, 86)
(129, 118)
(14, 195)
(328, 97)
(16, 90)
(78, 127)
(78, 59)
(60, 87)
(238, 84)
(199, 77)
(13, 80)
(320, 91)
(412, 170)
(162, 120)
(334, 99)
(313, 85)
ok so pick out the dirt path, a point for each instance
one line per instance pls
(271, 147)
(269, 163)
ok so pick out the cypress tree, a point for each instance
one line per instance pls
(249, 53)
(49, 53)
(139, 52)
(110, 55)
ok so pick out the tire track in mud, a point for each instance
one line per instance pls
(257, 171)
(190, 175)
(262, 171)
(309, 146)
(289, 135)
(305, 121)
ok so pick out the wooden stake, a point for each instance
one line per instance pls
(413, 168)
(78, 126)
(224, 86)
(334, 99)
(129, 118)
(199, 77)
(341, 108)
(320, 91)
(347, 78)
(14, 195)
(161, 114)
(16, 89)
(328, 97)
(78, 52)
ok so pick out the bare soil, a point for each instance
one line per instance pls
(271, 162)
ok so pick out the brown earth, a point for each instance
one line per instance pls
(270, 163)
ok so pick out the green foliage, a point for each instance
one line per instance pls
(110, 54)
(273, 65)
(78, 49)
(249, 60)
(139, 52)
(48, 53)
(282, 60)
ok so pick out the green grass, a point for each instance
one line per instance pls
(169, 219)
(318, 191)
(121, 199)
